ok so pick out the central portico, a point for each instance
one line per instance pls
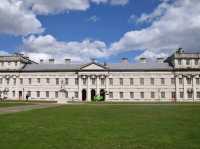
(93, 80)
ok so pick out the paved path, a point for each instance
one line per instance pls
(15, 109)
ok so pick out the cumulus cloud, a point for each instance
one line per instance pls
(47, 46)
(16, 20)
(176, 25)
(19, 17)
(57, 6)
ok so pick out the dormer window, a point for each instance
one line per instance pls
(187, 62)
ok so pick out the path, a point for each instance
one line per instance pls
(5, 110)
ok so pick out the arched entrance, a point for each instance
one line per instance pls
(93, 94)
(84, 95)
(102, 93)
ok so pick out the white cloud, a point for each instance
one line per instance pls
(19, 17)
(178, 26)
(48, 47)
(93, 19)
(57, 6)
(16, 20)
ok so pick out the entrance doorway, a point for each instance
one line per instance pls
(20, 95)
(102, 93)
(93, 94)
(84, 95)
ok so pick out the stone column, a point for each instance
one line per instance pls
(88, 89)
(97, 83)
(177, 88)
(185, 87)
(194, 88)
(107, 87)
(79, 88)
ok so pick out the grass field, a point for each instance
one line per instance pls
(103, 127)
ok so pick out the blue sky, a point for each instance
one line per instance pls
(100, 25)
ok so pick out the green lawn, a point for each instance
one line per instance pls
(103, 127)
(11, 104)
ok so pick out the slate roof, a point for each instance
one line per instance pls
(114, 67)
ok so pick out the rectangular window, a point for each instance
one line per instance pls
(152, 81)
(189, 81)
(197, 81)
(14, 81)
(132, 95)
(8, 81)
(47, 94)
(111, 81)
(141, 81)
(162, 81)
(93, 81)
(2, 64)
(198, 95)
(196, 61)
(84, 81)
(56, 94)
(162, 94)
(142, 94)
(131, 81)
(38, 80)
(29, 81)
(66, 81)
(121, 95)
(110, 94)
(181, 94)
(180, 81)
(179, 62)
(66, 94)
(173, 95)
(47, 80)
(15, 63)
(121, 81)
(102, 81)
(190, 94)
(38, 94)
(76, 81)
(57, 81)
(152, 94)
(1, 80)
(29, 93)
(172, 81)
(76, 94)
(21, 81)
(13, 93)
(187, 62)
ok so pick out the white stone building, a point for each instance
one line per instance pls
(175, 79)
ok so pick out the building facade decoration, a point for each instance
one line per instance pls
(176, 79)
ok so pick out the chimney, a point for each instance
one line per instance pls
(67, 61)
(124, 60)
(160, 60)
(93, 60)
(143, 60)
(51, 61)
(41, 61)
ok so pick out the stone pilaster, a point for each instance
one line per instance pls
(194, 88)
(79, 88)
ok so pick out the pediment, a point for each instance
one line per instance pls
(93, 66)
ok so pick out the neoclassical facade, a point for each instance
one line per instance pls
(175, 79)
